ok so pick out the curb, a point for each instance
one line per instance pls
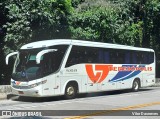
(5, 91)
(3, 96)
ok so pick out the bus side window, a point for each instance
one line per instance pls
(106, 57)
(145, 57)
(151, 57)
(91, 55)
(76, 56)
(121, 57)
(100, 56)
(127, 57)
(134, 58)
(71, 58)
(110, 55)
(139, 58)
(113, 57)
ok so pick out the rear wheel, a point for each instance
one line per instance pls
(70, 91)
(135, 85)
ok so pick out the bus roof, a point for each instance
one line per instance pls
(48, 43)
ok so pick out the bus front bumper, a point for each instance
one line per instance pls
(26, 92)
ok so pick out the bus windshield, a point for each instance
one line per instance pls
(26, 68)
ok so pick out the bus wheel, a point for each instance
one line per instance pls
(135, 85)
(70, 91)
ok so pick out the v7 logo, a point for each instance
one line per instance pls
(97, 74)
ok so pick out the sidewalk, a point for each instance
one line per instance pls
(5, 90)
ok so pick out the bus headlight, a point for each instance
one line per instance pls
(37, 84)
(33, 85)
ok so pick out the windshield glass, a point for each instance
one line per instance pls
(27, 69)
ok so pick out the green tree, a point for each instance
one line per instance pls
(152, 9)
(93, 24)
(23, 21)
(35, 20)
(107, 21)
(3, 17)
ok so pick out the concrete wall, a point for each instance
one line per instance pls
(5, 89)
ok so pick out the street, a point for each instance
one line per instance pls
(144, 104)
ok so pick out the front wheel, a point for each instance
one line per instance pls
(135, 85)
(70, 91)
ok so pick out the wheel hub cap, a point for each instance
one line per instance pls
(136, 85)
(70, 91)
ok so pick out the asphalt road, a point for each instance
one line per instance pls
(144, 104)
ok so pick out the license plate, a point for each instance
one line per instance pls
(20, 92)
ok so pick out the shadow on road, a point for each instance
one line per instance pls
(117, 92)
(35, 99)
(58, 98)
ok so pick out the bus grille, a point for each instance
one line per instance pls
(20, 87)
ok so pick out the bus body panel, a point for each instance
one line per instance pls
(90, 77)
(74, 73)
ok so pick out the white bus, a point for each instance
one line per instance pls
(68, 67)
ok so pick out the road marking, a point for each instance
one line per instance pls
(114, 110)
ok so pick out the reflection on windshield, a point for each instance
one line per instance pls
(25, 66)
(27, 69)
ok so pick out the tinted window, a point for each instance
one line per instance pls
(127, 57)
(106, 56)
(26, 63)
(145, 57)
(54, 59)
(151, 57)
(117, 56)
(141, 57)
(81, 54)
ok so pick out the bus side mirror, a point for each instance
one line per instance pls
(9, 55)
(39, 55)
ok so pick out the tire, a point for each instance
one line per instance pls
(70, 91)
(135, 85)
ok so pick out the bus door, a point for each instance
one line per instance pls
(47, 60)
(48, 88)
(57, 84)
(52, 85)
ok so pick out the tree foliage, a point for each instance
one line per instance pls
(130, 22)
(106, 21)
(24, 21)
(35, 20)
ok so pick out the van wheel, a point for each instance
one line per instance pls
(70, 91)
(135, 85)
